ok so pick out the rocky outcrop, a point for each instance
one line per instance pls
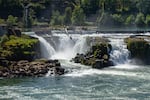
(36, 68)
(139, 47)
(98, 55)
(18, 48)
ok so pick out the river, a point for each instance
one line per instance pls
(124, 81)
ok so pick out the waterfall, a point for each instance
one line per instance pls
(46, 49)
(64, 48)
(119, 53)
(80, 46)
(69, 47)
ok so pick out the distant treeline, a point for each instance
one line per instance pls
(105, 13)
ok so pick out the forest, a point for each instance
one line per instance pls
(105, 13)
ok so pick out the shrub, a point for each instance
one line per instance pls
(140, 20)
(4, 38)
(78, 16)
(18, 48)
(11, 20)
(148, 20)
(130, 20)
(118, 20)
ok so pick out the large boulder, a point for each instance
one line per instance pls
(98, 55)
(139, 47)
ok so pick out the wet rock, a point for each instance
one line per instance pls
(139, 47)
(97, 57)
(37, 68)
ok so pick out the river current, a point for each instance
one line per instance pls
(124, 81)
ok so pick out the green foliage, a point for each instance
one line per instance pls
(90, 6)
(139, 48)
(67, 16)
(148, 20)
(140, 20)
(78, 16)
(76, 12)
(2, 21)
(17, 48)
(11, 20)
(3, 39)
(118, 19)
(130, 20)
(56, 18)
(106, 20)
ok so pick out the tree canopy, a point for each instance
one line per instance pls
(78, 12)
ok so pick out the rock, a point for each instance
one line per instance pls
(139, 47)
(98, 64)
(38, 68)
(97, 57)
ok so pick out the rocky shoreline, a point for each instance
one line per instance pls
(35, 68)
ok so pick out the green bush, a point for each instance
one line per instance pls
(148, 20)
(18, 48)
(3, 39)
(11, 20)
(56, 18)
(2, 21)
(118, 19)
(130, 20)
(140, 20)
(78, 16)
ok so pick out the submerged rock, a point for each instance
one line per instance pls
(36, 68)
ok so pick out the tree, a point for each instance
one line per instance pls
(106, 20)
(67, 16)
(130, 20)
(90, 6)
(143, 6)
(148, 20)
(140, 20)
(118, 19)
(56, 18)
(78, 16)
(11, 20)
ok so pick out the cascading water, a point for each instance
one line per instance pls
(68, 47)
(119, 53)
(80, 46)
(46, 49)
(64, 48)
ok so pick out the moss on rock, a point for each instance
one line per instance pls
(139, 48)
(19, 48)
(97, 57)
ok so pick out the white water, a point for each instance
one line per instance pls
(119, 53)
(69, 46)
(46, 49)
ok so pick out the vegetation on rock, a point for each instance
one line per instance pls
(139, 48)
(98, 55)
(18, 48)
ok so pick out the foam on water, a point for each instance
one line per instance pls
(100, 72)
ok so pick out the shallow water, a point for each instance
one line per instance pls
(83, 83)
